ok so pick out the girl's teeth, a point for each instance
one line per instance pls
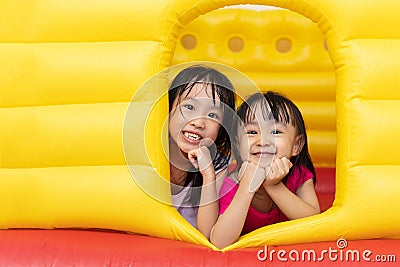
(192, 136)
(264, 154)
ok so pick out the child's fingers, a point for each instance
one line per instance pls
(279, 168)
(192, 156)
(206, 142)
(286, 164)
(242, 169)
(200, 158)
(274, 169)
(253, 173)
(204, 160)
(257, 180)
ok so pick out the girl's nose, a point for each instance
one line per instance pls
(198, 122)
(264, 140)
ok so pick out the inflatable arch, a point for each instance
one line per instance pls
(68, 72)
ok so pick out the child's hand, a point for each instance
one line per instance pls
(254, 172)
(278, 170)
(200, 158)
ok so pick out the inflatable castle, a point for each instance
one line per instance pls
(82, 130)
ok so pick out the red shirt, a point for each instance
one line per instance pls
(254, 218)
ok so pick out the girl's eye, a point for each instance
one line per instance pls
(213, 116)
(276, 132)
(251, 132)
(189, 107)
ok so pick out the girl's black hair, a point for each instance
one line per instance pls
(283, 110)
(222, 87)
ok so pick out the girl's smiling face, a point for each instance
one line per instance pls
(261, 139)
(195, 119)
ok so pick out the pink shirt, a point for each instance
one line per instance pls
(256, 219)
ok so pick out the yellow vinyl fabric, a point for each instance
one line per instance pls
(69, 70)
(278, 50)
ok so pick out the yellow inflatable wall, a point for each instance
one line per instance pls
(68, 70)
(279, 50)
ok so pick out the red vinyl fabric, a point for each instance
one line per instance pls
(325, 187)
(105, 248)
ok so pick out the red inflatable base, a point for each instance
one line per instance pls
(102, 248)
